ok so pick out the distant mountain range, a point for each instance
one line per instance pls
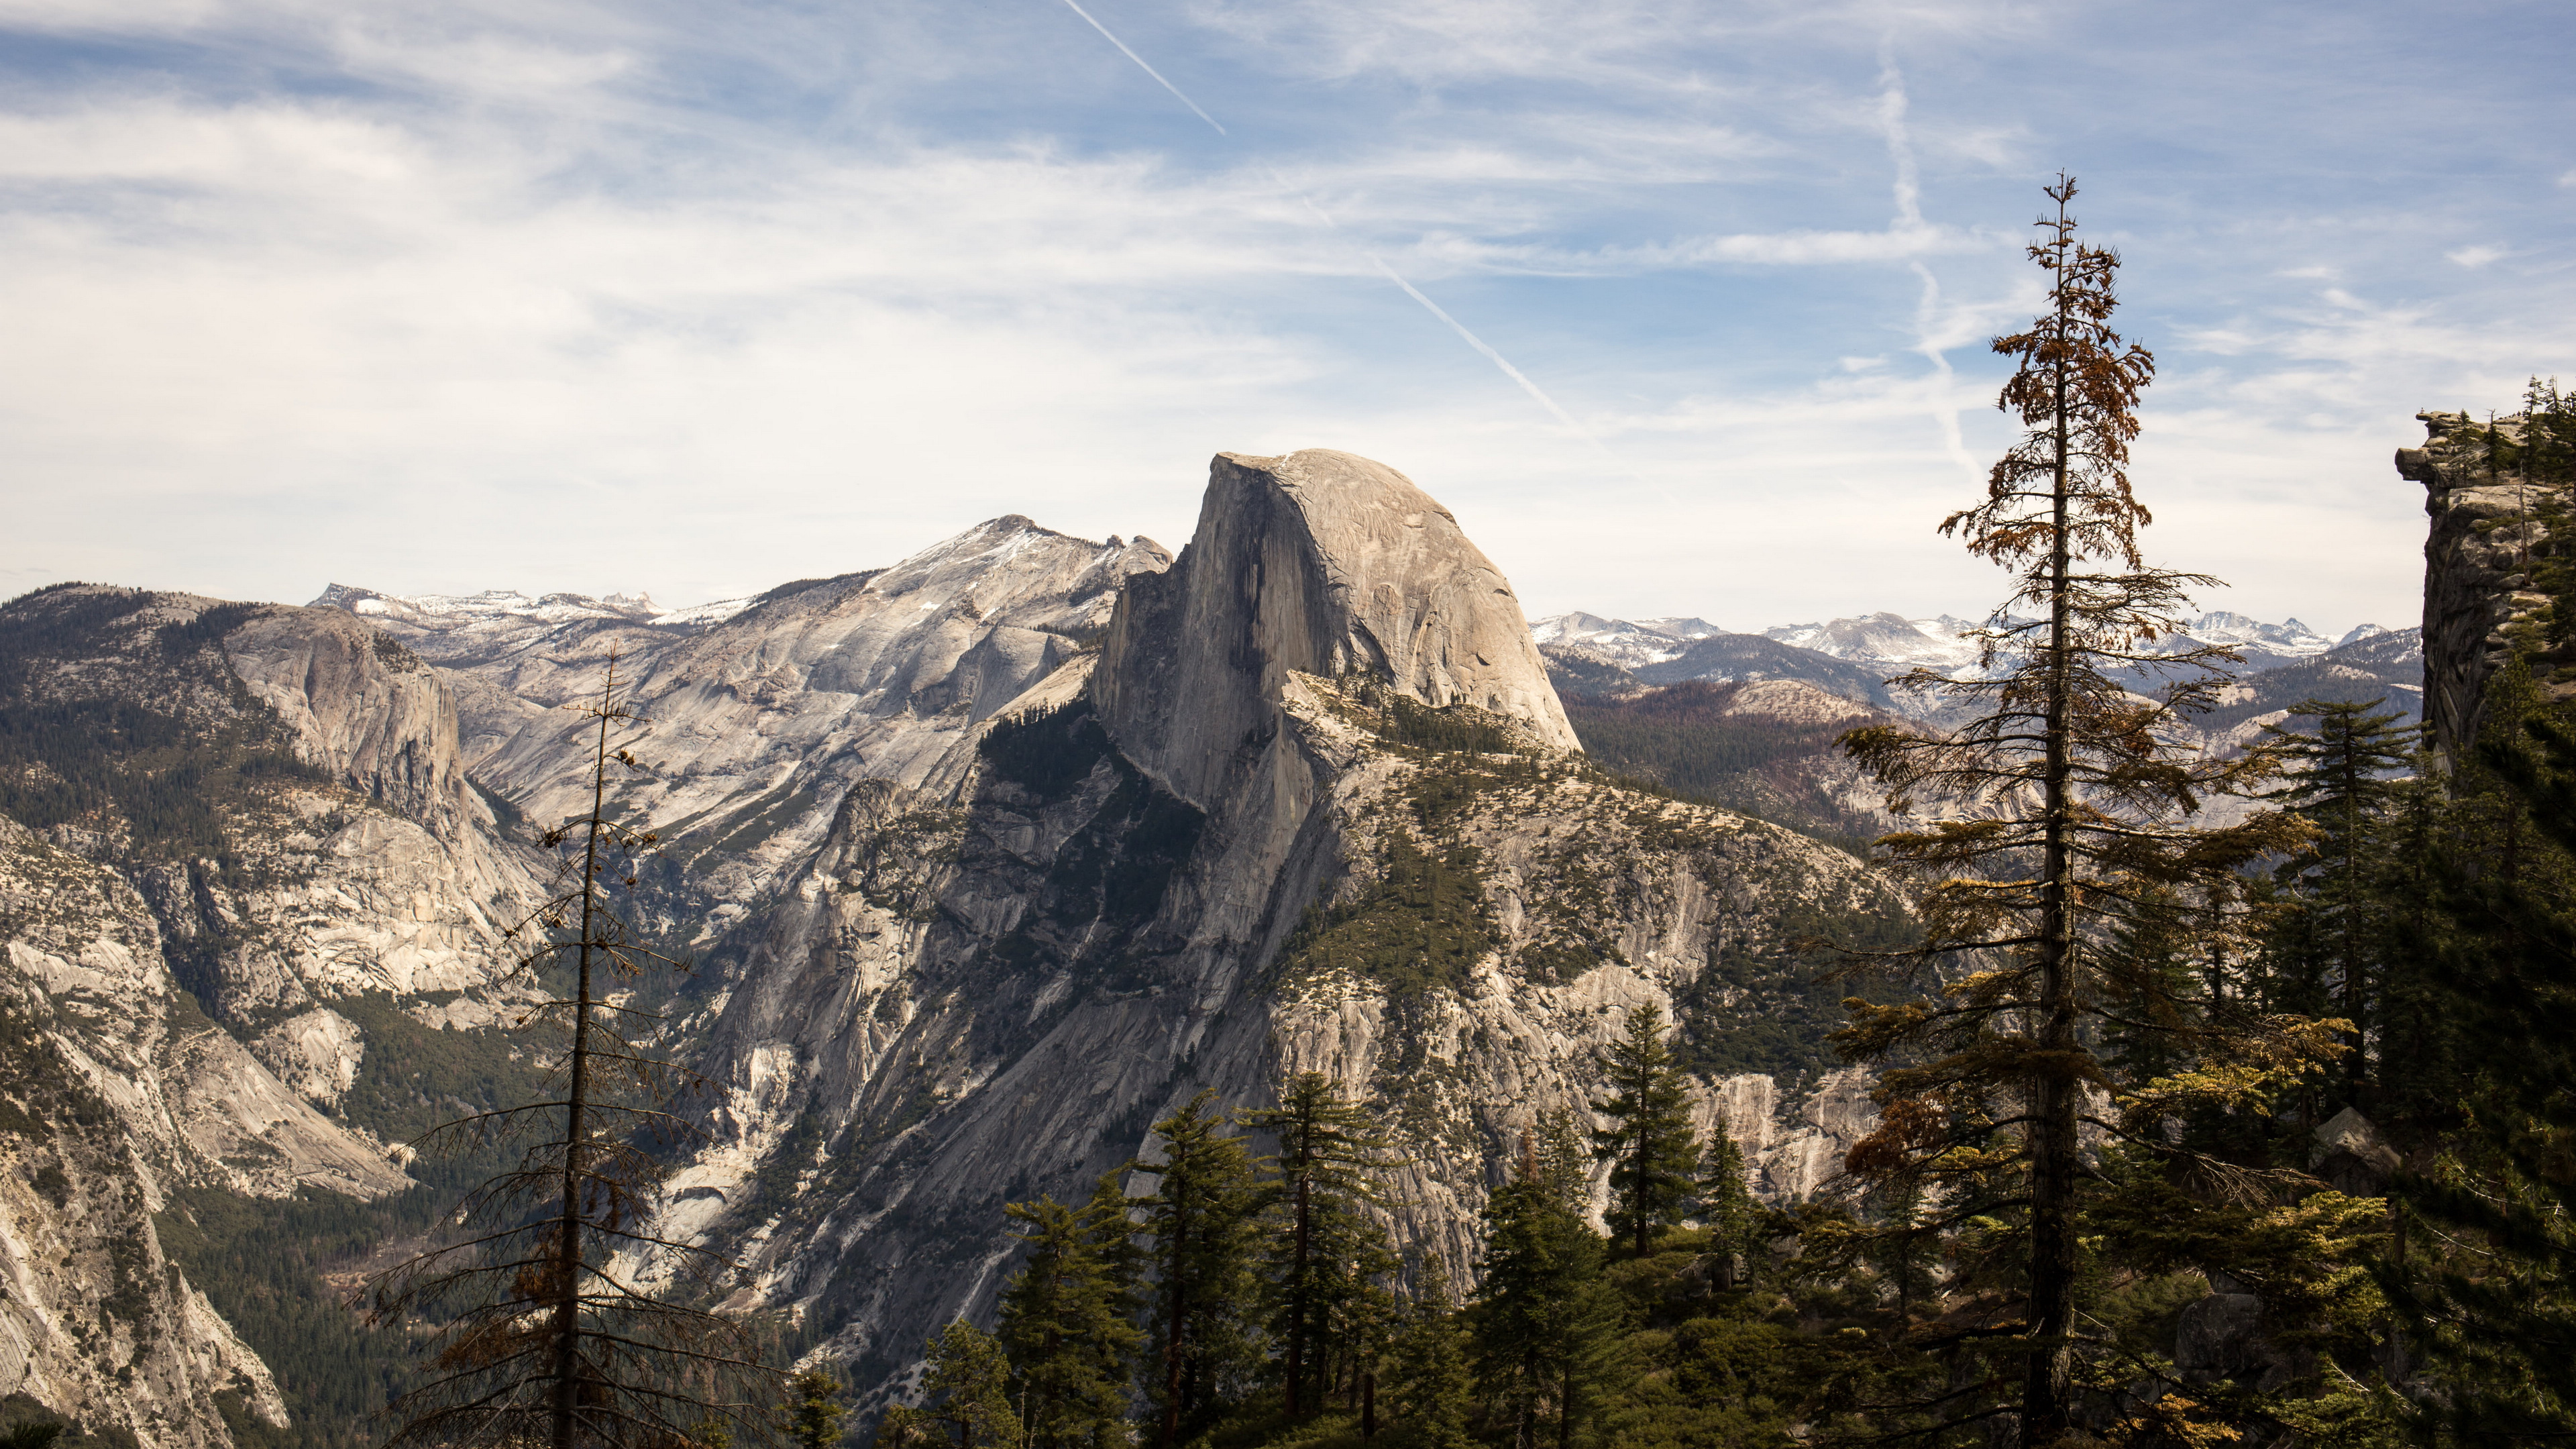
(1891, 643)
(446, 628)
(1594, 657)
(1744, 719)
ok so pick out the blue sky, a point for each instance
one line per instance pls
(699, 298)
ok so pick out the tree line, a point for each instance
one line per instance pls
(1249, 1299)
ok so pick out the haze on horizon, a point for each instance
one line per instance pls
(1682, 310)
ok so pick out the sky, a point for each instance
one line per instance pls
(1681, 308)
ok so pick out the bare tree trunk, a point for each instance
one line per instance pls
(2053, 1095)
(1172, 1338)
(1297, 1297)
(567, 1329)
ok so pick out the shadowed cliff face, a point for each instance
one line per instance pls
(2477, 581)
(1316, 806)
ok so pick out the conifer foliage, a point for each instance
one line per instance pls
(535, 1337)
(1200, 1219)
(1068, 1318)
(2060, 809)
(966, 1397)
(1330, 1153)
(1651, 1148)
(1541, 1315)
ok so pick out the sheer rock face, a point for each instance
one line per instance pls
(2476, 579)
(1320, 563)
(361, 706)
(975, 994)
(389, 874)
(756, 727)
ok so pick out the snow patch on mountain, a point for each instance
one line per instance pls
(506, 613)
(1628, 643)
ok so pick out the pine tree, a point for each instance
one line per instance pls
(966, 1393)
(538, 1341)
(1726, 1202)
(1428, 1385)
(2487, 1269)
(1652, 1151)
(1541, 1319)
(1330, 1150)
(814, 1410)
(2063, 801)
(1067, 1318)
(1200, 1218)
(2341, 779)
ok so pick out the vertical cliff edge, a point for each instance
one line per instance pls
(2478, 552)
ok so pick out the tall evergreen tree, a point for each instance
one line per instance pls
(1330, 1152)
(1067, 1318)
(1726, 1202)
(1201, 1219)
(1541, 1319)
(2342, 780)
(1428, 1385)
(2489, 1266)
(813, 1410)
(1651, 1148)
(538, 1340)
(966, 1397)
(2062, 802)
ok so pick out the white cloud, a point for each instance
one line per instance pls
(2474, 257)
(410, 296)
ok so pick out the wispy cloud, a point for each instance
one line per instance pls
(301, 288)
(1147, 69)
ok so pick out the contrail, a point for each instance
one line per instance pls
(1474, 341)
(1900, 145)
(1909, 216)
(1149, 70)
(1491, 355)
(1948, 418)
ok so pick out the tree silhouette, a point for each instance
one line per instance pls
(1652, 1151)
(541, 1332)
(1329, 1148)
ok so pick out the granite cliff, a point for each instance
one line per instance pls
(2485, 531)
(1313, 804)
(231, 832)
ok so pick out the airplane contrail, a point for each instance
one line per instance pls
(1496, 358)
(1472, 340)
(1149, 70)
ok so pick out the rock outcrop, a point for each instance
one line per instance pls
(2477, 571)
(113, 1089)
(1318, 563)
(759, 724)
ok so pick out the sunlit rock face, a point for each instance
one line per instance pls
(757, 725)
(1126, 884)
(1318, 563)
(116, 1090)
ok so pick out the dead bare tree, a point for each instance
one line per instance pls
(543, 1328)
